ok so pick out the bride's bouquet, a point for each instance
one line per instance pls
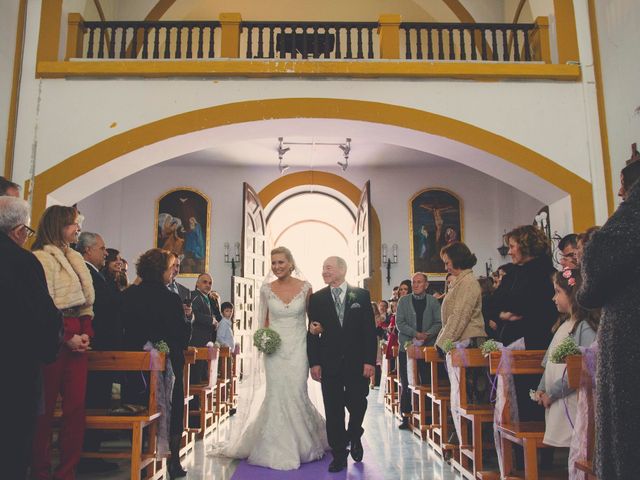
(266, 340)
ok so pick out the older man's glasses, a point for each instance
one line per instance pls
(30, 231)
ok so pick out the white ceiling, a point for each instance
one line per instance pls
(264, 152)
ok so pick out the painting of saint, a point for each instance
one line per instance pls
(435, 220)
(183, 228)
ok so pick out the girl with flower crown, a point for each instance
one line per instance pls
(553, 392)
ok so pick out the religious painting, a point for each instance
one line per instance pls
(182, 227)
(435, 220)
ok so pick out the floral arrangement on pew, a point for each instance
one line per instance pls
(489, 346)
(161, 346)
(266, 340)
(448, 346)
(567, 347)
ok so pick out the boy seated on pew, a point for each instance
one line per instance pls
(553, 392)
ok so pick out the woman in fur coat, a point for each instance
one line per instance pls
(70, 285)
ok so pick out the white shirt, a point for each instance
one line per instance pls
(224, 335)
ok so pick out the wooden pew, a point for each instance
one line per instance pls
(527, 434)
(188, 440)
(391, 387)
(472, 415)
(205, 392)
(420, 402)
(575, 376)
(144, 462)
(223, 385)
(439, 394)
(232, 398)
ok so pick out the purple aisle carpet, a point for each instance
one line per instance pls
(367, 469)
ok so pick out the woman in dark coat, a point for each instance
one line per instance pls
(152, 313)
(611, 273)
(529, 310)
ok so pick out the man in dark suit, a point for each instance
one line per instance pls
(342, 357)
(107, 336)
(206, 315)
(183, 292)
(31, 331)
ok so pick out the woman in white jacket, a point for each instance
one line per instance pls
(71, 288)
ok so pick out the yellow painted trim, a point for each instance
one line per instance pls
(230, 36)
(154, 14)
(324, 108)
(460, 11)
(540, 40)
(389, 32)
(308, 68)
(349, 190)
(74, 36)
(15, 90)
(49, 37)
(566, 35)
(602, 112)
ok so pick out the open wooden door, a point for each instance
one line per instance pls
(246, 287)
(363, 238)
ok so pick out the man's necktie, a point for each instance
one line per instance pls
(173, 287)
(336, 297)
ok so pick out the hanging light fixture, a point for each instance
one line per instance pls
(346, 149)
(281, 151)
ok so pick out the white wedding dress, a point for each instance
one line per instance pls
(287, 429)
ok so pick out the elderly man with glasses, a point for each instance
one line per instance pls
(32, 332)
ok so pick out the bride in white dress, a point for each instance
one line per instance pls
(285, 430)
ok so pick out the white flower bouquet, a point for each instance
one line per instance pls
(266, 340)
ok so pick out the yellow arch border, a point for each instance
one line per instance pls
(349, 190)
(326, 108)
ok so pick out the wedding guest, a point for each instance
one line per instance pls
(527, 303)
(440, 295)
(107, 336)
(205, 322)
(29, 315)
(489, 310)
(417, 321)
(392, 336)
(112, 269)
(583, 239)
(8, 188)
(151, 313)
(225, 327)
(70, 286)
(581, 325)
(122, 280)
(610, 269)
(568, 247)
(462, 306)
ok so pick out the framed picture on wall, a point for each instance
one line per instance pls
(182, 227)
(435, 220)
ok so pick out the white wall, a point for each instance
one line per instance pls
(619, 37)
(8, 25)
(124, 212)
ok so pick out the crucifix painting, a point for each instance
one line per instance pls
(435, 220)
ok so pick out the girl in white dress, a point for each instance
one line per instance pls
(282, 429)
(554, 392)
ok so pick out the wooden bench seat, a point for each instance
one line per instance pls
(527, 434)
(188, 439)
(473, 416)
(575, 373)
(439, 394)
(145, 463)
(420, 401)
(205, 392)
(391, 398)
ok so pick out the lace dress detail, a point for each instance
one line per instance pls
(288, 430)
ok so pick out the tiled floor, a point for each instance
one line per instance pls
(398, 454)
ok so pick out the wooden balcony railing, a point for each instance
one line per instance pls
(147, 40)
(303, 40)
(499, 42)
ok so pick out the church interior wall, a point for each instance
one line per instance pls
(124, 212)
(619, 38)
(8, 24)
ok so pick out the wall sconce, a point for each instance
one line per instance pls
(233, 260)
(503, 249)
(389, 260)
